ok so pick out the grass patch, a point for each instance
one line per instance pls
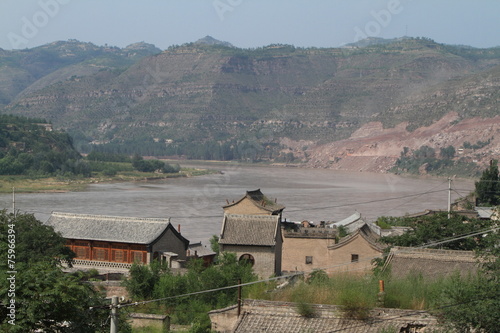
(357, 295)
(306, 309)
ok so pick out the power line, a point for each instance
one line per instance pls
(367, 202)
(419, 195)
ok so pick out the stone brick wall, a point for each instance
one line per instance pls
(326, 255)
(295, 251)
(264, 256)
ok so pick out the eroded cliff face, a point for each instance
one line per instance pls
(374, 148)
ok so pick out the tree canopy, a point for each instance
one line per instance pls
(488, 186)
(155, 281)
(436, 227)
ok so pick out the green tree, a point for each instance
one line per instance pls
(193, 309)
(488, 186)
(447, 153)
(214, 244)
(143, 279)
(424, 152)
(146, 166)
(475, 304)
(437, 227)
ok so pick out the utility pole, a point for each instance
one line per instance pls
(239, 297)
(14, 201)
(114, 315)
(449, 197)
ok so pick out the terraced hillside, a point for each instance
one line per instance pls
(213, 101)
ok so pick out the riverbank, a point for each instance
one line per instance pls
(26, 184)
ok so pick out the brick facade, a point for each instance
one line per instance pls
(353, 253)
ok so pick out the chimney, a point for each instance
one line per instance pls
(179, 228)
(227, 201)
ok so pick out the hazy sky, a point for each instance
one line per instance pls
(247, 23)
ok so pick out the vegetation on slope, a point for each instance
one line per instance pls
(33, 157)
(31, 147)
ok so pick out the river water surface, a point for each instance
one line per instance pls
(196, 203)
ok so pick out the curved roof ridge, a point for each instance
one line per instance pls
(260, 200)
(365, 232)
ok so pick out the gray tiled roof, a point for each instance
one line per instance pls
(430, 263)
(260, 230)
(108, 228)
(348, 220)
(278, 317)
(367, 233)
(200, 249)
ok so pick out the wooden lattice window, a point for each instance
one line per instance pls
(81, 252)
(138, 256)
(119, 256)
(101, 254)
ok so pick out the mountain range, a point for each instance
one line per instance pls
(355, 107)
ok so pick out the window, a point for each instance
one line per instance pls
(354, 257)
(119, 255)
(309, 260)
(100, 254)
(248, 258)
(137, 256)
(81, 252)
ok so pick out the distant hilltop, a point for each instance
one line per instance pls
(209, 40)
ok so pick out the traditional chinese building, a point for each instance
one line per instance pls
(254, 238)
(254, 203)
(117, 242)
(307, 249)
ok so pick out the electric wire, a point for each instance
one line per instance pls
(430, 244)
(298, 209)
(440, 184)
